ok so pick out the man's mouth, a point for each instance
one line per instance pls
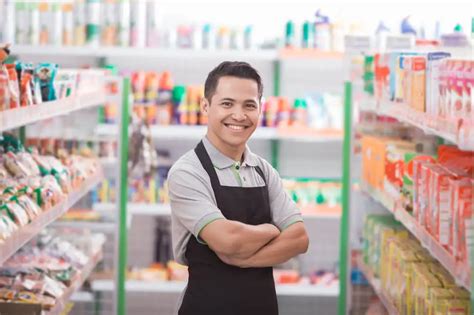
(236, 127)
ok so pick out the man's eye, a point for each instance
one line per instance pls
(251, 105)
(227, 104)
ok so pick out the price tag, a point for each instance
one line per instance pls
(357, 43)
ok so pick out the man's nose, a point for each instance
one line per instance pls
(238, 114)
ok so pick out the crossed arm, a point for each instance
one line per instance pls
(262, 245)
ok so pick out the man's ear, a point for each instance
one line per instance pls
(205, 106)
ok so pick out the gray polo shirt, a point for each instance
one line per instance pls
(193, 204)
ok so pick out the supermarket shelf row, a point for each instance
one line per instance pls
(26, 233)
(184, 132)
(460, 134)
(21, 116)
(375, 283)
(160, 209)
(175, 53)
(62, 304)
(179, 286)
(458, 271)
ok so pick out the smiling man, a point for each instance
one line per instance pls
(231, 218)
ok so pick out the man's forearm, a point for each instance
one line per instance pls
(290, 243)
(248, 239)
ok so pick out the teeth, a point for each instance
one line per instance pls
(234, 127)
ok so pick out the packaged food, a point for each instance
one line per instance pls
(436, 295)
(423, 282)
(45, 74)
(16, 213)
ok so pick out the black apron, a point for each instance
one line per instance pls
(215, 288)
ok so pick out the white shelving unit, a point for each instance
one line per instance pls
(21, 116)
(180, 132)
(21, 236)
(133, 52)
(178, 287)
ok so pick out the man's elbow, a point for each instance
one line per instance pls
(303, 243)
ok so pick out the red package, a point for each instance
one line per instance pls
(13, 86)
(461, 196)
(440, 214)
(423, 192)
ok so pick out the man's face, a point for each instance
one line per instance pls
(234, 111)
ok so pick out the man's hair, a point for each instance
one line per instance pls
(237, 69)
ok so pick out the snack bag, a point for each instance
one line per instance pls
(45, 74)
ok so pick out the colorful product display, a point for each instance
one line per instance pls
(438, 189)
(41, 274)
(31, 183)
(315, 196)
(113, 23)
(410, 278)
(431, 83)
(25, 84)
(321, 111)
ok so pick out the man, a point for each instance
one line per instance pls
(231, 218)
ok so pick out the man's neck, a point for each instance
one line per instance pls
(233, 152)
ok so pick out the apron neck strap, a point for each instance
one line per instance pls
(207, 164)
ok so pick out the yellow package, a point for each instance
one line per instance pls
(385, 258)
(444, 277)
(423, 281)
(407, 258)
(452, 307)
(436, 295)
(460, 293)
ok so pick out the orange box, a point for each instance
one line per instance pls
(417, 85)
(373, 158)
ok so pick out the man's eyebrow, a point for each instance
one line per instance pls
(227, 99)
(250, 101)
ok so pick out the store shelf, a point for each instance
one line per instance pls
(26, 233)
(178, 287)
(62, 303)
(197, 132)
(135, 209)
(436, 250)
(445, 129)
(156, 53)
(375, 283)
(21, 116)
(146, 209)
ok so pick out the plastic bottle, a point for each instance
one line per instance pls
(44, 23)
(248, 37)
(284, 112)
(57, 38)
(124, 23)
(109, 26)
(179, 103)
(68, 25)
(223, 38)
(300, 113)
(206, 36)
(165, 107)
(152, 24)
(22, 23)
(79, 23)
(406, 27)
(193, 106)
(271, 112)
(93, 22)
(381, 36)
(307, 39)
(10, 22)
(34, 24)
(138, 24)
(290, 34)
(322, 32)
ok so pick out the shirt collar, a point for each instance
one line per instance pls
(222, 161)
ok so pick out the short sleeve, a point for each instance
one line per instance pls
(285, 212)
(192, 199)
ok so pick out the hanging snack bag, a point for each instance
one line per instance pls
(45, 74)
